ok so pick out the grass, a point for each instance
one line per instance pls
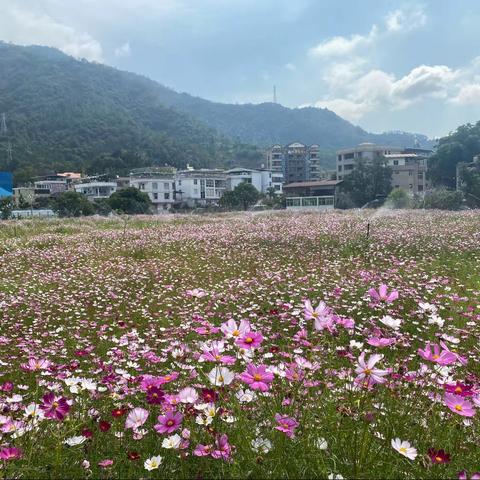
(110, 302)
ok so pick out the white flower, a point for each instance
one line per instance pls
(427, 307)
(321, 443)
(220, 376)
(245, 396)
(391, 322)
(404, 448)
(334, 476)
(72, 441)
(261, 445)
(88, 384)
(436, 320)
(355, 344)
(33, 411)
(172, 442)
(152, 463)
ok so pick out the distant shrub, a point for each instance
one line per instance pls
(443, 199)
(398, 198)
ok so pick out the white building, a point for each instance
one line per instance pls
(261, 179)
(96, 190)
(200, 187)
(158, 184)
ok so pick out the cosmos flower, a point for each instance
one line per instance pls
(73, 441)
(136, 418)
(257, 377)
(172, 442)
(233, 330)
(382, 294)
(221, 448)
(286, 424)
(188, 395)
(169, 422)
(391, 322)
(459, 405)
(404, 448)
(249, 340)
(220, 376)
(366, 371)
(442, 357)
(54, 407)
(438, 456)
(153, 463)
(10, 453)
(459, 389)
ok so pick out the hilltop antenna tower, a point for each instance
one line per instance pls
(274, 94)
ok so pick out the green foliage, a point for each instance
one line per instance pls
(443, 199)
(243, 196)
(460, 146)
(65, 114)
(366, 182)
(469, 174)
(398, 198)
(6, 207)
(130, 201)
(72, 204)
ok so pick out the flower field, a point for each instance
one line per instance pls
(241, 346)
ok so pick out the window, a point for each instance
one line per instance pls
(141, 186)
(410, 185)
(209, 183)
(210, 192)
(348, 156)
(339, 158)
(179, 182)
(155, 196)
(166, 195)
(420, 188)
(154, 186)
(410, 173)
(348, 167)
(395, 162)
(195, 181)
(166, 186)
(339, 168)
(309, 201)
(195, 191)
(277, 187)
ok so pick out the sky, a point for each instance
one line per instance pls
(381, 64)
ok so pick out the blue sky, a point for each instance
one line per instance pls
(384, 65)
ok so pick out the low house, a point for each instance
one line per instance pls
(313, 195)
(96, 190)
(200, 188)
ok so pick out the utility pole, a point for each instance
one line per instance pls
(3, 126)
(274, 94)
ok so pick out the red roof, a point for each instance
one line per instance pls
(314, 183)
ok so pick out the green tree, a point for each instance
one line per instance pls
(398, 198)
(130, 201)
(23, 204)
(443, 199)
(243, 196)
(6, 207)
(367, 182)
(72, 204)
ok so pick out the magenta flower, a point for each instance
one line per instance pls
(459, 405)
(202, 450)
(136, 418)
(10, 453)
(257, 377)
(380, 342)
(366, 372)
(250, 340)
(442, 357)
(286, 424)
(105, 463)
(215, 355)
(155, 395)
(459, 357)
(54, 407)
(459, 389)
(463, 475)
(169, 422)
(382, 295)
(222, 448)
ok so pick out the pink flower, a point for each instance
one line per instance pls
(54, 407)
(463, 475)
(33, 364)
(136, 418)
(232, 330)
(459, 389)
(382, 295)
(459, 405)
(105, 463)
(222, 448)
(250, 340)
(257, 377)
(380, 342)
(442, 357)
(367, 374)
(169, 422)
(10, 453)
(294, 373)
(286, 424)
(215, 355)
(313, 313)
(461, 359)
(202, 450)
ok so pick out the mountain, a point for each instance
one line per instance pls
(68, 114)
(65, 114)
(266, 124)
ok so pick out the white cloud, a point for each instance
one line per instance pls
(406, 19)
(123, 51)
(468, 95)
(291, 67)
(341, 46)
(26, 28)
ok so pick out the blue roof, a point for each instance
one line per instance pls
(5, 193)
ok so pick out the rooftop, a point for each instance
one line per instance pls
(314, 183)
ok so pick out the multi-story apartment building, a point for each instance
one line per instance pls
(158, 183)
(409, 165)
(202, 187)
(296, 161)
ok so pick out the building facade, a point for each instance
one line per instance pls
(409, 171)
(296, 161)
(260, 179)
(200, 188)
(158, 184)
(96, 190)
(311, 195)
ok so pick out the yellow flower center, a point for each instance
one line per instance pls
(170, 423)
(367, 371)
(402, 450)
(458, 390)
(235, 333)
(458, 408)
(55, 404)
(257, 377)
(249, 340)
(439, 459)
(220, 378)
